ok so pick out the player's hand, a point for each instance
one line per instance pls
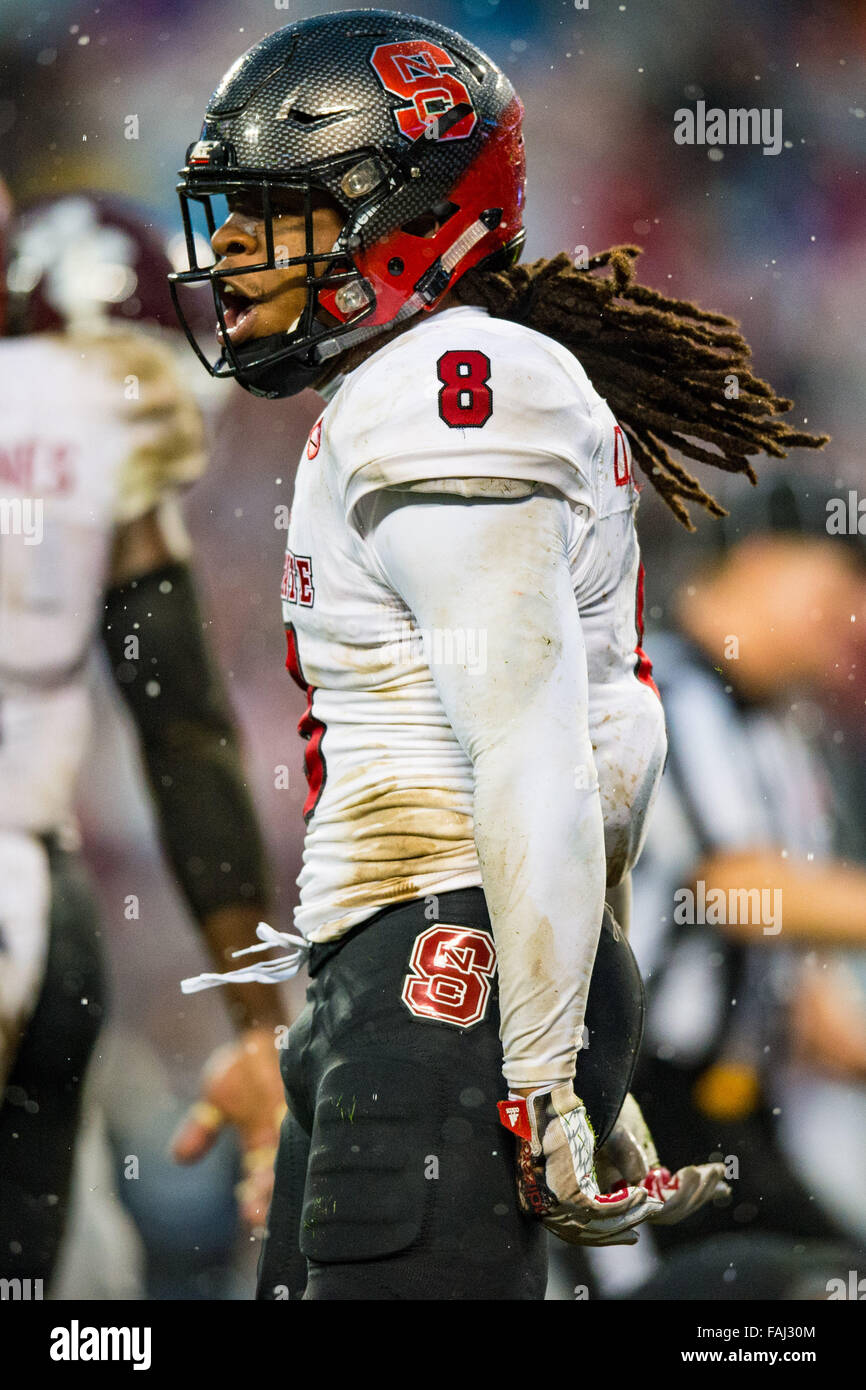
(556, 1178)
(241, 1086)
(629, 1157)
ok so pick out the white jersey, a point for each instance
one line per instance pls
(469, 406)
(94, 431)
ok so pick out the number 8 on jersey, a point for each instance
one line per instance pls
(465, 400)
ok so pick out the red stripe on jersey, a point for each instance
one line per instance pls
(644, 667)
(314, 762)
(293, 663)
(309, 727)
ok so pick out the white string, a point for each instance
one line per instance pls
(269, 972)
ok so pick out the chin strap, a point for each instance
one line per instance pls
(429, 287)
(270, 972)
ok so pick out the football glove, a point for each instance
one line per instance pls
(556, 1179)
(629, 1156)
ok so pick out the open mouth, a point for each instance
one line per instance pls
(240, 313)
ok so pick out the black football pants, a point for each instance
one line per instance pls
(394, 1177)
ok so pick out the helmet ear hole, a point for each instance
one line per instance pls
(430, 221)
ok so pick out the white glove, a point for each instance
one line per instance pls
(556, 1179)
(629, 1156)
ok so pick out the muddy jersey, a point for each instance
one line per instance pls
(471, 407)
(94, 431)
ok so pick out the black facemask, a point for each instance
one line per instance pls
(275, 380)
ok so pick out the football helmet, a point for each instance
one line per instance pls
(403, 126)
(80, 259)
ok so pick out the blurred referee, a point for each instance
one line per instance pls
(755, 1046)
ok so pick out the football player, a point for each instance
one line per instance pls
(462, 597)
(97, 435)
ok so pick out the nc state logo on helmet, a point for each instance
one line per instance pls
(412, 133)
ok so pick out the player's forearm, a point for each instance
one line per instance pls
(540, 846)
(206, 822)
(818, 903)
(251, 1005)
(522, 721)
(189, 743)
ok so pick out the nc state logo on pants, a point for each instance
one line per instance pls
(451, 972)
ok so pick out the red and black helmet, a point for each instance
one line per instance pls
(396, 120)
(79, 259)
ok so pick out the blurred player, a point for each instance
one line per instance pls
(756, 1032)
(96, 438)
(462, 598)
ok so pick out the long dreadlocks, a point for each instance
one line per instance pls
(662, 364)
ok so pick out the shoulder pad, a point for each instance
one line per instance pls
(465, 396)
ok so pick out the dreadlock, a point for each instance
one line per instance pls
(660, 363)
